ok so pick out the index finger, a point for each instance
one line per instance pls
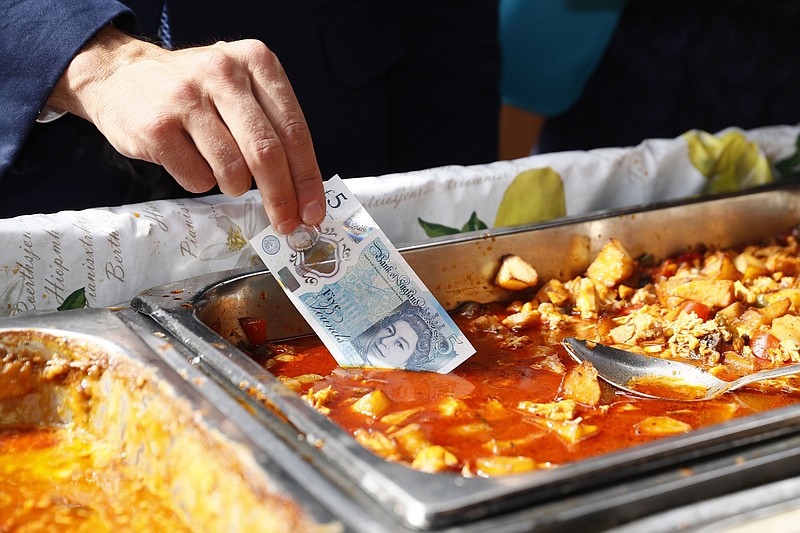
(278, 146)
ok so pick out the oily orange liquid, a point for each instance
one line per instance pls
(510, 377)
(54, 480)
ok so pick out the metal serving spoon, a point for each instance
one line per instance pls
(653, 377)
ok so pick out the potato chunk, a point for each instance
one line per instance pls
(793, 295)
(374, 403)
(587, 299)
(561, 410)
(432, 459)
(753, 318)
(749, 265)
(516, 274)
(411, 439)
(399, 417)
(580, 384)
(503, 465)
(716, 293)
(787, 327)
(503, 447)
(612, 265)
(720, 266)
(661, 425)
(571, 431)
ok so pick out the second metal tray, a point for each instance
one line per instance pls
(459, 269)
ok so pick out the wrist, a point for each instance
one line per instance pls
(82, 81)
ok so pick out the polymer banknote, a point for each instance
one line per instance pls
(358, 293)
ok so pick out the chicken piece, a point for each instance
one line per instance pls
(713, 293)
(504, 447)
(640, 325)
(515, 342)
(308, 378)
(292, 383)
(451, 406)
(584, 294)
(581, 385)
(376, 441)
(552, 316)
(527, 316)
(501, 465)
(786, 263)
(515, 274)
(494, 409)
(661, 425)
(587, 300)
(560, 410)
(478, 427)
(320, 398)
(411, 439)
(612, 265)
(571, 431)
(372, 404)
(399, 417)
(488, 324)
(551, 363)
(433, 459)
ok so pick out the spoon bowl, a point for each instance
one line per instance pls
(654, 377)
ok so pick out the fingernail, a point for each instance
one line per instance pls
(285, 228)
(312, 213)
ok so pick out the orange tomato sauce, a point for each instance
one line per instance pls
(54, 480)
(508, 376)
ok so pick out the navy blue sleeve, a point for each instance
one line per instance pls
(39, 39)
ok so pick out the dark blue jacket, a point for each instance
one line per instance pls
(386, 86)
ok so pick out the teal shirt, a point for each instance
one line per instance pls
(550, 48)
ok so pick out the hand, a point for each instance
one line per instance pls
(221, 114)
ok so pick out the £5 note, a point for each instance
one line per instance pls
(358, 293)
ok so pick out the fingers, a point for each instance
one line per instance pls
(263, 151)
(213, 140)
(177, 153)
(283, 161)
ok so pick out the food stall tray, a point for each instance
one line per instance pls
(460, 269)
(118, 381)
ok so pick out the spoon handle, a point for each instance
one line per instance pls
(766, 374)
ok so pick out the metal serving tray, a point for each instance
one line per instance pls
(595, 492)
(154, 407)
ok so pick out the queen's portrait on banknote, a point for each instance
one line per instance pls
(400, 340)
